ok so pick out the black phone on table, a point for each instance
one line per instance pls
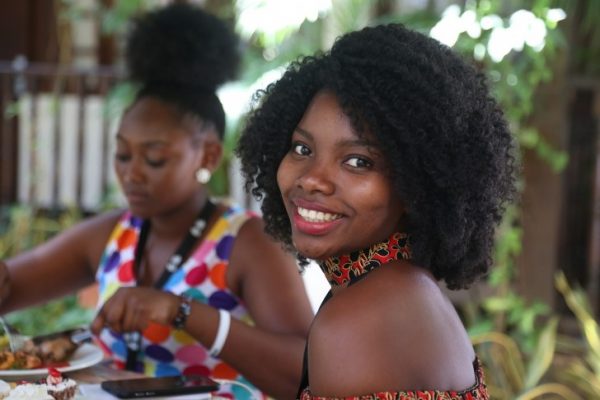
(161, 386)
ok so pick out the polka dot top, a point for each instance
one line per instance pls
(165, 350)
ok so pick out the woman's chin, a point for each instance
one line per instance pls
(314, 254)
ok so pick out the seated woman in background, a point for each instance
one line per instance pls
(388, 162)
(186, 285)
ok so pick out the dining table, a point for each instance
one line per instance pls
(89, 367)
(89, 380)
(101, 372)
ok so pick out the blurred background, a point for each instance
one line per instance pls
(533, 319)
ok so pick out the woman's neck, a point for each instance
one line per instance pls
(178, 221)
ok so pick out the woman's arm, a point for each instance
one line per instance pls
(63, 264)
(270, 355)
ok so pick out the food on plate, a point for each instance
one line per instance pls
(56, 350)
(49, 352)
(19, 360)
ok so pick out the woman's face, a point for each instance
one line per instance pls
(155, 159)
(334, 185)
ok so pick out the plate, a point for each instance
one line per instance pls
(85, 356)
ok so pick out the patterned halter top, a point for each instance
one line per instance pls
(167, 351)
(347, 269)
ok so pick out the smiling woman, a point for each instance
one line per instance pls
(187, 285)
(327, 158)
(387, 161)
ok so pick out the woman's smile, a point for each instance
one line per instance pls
(315, 222)
(316, 216)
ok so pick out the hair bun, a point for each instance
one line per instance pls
(181, 44)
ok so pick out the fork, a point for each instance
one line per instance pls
(16, 340)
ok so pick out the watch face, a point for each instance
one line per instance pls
(184, 310)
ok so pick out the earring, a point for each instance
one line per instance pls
(203, 175)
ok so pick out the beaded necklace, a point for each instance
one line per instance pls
(133, 339)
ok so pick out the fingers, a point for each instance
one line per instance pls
(134, 317)
(110, 315)
(131, 309)
(98, 323)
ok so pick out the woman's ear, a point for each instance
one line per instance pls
(212, 151)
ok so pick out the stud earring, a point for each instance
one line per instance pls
(203, 175)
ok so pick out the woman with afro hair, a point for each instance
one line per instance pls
(187, 285)
(387, 161)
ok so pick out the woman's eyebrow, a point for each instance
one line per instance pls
(371, 145)
(356, 142)
(150, 143)
(304, 133)
(344, 142)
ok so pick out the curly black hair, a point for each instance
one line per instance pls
(450, 153)
(181, 54)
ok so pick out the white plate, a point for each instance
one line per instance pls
(85, 356)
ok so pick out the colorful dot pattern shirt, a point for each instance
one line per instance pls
(165, 350)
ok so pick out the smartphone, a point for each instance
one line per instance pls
(163, 386)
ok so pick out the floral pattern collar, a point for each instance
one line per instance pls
(344, 269)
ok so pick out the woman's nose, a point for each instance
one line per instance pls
(133, 172)
(316, 178)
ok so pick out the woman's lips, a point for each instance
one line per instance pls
(315, 222)
(134, 197)
(311, 205)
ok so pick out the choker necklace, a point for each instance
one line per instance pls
(133, 339)
(347, 268)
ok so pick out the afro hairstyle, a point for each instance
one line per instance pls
(450, 153)
(181, 54)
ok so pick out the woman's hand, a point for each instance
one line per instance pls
(131, 309)
(4, 282)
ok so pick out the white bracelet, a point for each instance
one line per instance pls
(222, 333)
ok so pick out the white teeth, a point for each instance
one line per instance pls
(317, 216)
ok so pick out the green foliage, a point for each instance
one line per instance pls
(12, 109)
(516, 76)
(586, 49)
(516, 339)
(21, 229)
(582, 373)
(120, 96)
(51, 317)
(530, 138)
(511, 374)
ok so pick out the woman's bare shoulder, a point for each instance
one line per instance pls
(96, 226)
(397, 319)
(92, 233)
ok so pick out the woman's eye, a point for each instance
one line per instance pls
(359, 162)
(156, 163)
(122, 157)
(300, 149)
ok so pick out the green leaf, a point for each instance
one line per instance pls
(12, 110)
(543, 354)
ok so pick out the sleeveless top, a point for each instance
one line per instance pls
(348, 269)
(165, 350)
